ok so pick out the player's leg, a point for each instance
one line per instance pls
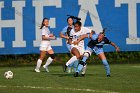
(82, 63)
(70, 66)
(50, 59)
(82, 52)
(105, 63)
(75, 57)
(75, 64)
(39, 61)
(84, 70)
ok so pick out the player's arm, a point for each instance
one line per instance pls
(63, 36)
(107, 41)
(48, 37)
(116, 47)
(82, 37)
(70, 40)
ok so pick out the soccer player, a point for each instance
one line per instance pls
(95, 45)
(45, 46)
(77, 50)
(65, 33)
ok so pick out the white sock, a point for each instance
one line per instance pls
(48, 62)
(69, 69)
(39, 62)
(74, 58)
(84, 69)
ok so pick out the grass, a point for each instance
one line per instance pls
(125, 78)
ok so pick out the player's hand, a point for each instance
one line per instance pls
(67, 37)
(75, 42)
(51, 35)
(117, 49)
(90, 35)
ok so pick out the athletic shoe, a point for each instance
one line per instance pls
(76, 74)
(46, 68)
(37, 70)
(82, 75)
(108, 75)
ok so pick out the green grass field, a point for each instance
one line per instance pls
(124, 78)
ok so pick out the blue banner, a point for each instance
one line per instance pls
(20, 21)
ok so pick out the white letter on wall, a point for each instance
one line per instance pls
(39, 4)
(90, 6)
(17, 23)
(132, 17)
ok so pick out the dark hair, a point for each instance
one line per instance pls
(43, 22)
(78, 22)
(69, 18)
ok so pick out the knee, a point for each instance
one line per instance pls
(86, 54)
(52, 56)
(41, 57)
(78, 56)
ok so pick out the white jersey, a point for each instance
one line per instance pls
(46, 32)
(75, 35)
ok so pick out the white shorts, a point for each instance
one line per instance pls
(80, 49)
(45, 48)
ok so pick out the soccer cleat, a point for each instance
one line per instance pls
(46, 68)
(76, 74)
(37, 70)
(64, 68)
(82, 75)
(108, 75)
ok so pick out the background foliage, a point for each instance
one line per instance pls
(30, 59)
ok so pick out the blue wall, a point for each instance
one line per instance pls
(112, 14)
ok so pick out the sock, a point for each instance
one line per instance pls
(84, 69)
(80, 67)
(48, 62)
(75, 64)
(69, 69)
(84, 59)
(39, 62)
(106, 65)
(74, 58)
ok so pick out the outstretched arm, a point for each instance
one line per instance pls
(117, 48)
(83, 37)
(80, 38)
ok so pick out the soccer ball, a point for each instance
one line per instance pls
(8, 75)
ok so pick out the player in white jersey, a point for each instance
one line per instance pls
(77, 50)
(45, 46)
(65, 33)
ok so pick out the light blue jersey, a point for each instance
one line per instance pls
(95, 46)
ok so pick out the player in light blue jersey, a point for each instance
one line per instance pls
(95, 45)
(65, 33)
